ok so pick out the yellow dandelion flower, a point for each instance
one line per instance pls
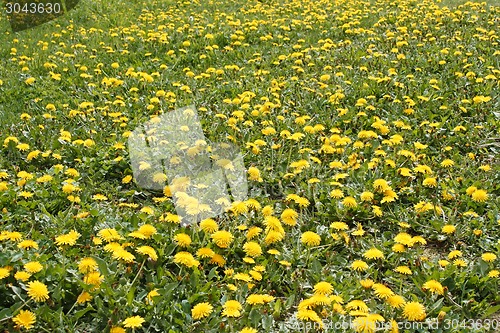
(83, 297)
(349, 202)
(479, 196)
(252, 249)
(232, 308)
(222, 238)
(254, 174)
(447, 163)
(201, 310)
(68, 239)
(414, 311)
(488, 257)
(123, 255)
(494, 273)
(289, 217)
(24, 319)
(248, 330)
(109, 235)
(209, 226)
(147, 230)
(27, 244)
(22, 276)
(310, 238)
(359, 265)
(93, 278)
(133, 322)
(448, 229)
(38, 291)
(186, 259)
(366, 283)
(382, 291)
(182, 239)
(323, 288)
(373, 253)
(4, 272)
(148, 251)
(403, 270)
(336, 194)
(395, 301)
(434, 287)
(430, 182)
(205, 252)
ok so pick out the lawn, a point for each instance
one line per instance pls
(370, 137)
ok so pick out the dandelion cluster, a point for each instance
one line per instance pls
(368, 136)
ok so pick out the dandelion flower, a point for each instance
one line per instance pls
(117, 329)
(186, 259)
(494, 273)
(27, 244)
(373, 253)
(218, 260)
(414, 311)
(448, 229)
(205, 252)
(22, 276)
(366, 196)
(306, 314)
(68, 239)
(364, 324)
(380, 185)
(232, 308)
(252, 249)
(447, 163)
(182, 240)
(87, 265)
(209, 226)
(123, 255)
(148, 251)
(259, 299)
(289, 217)
(366, 283)
(38, 291)
(310, 238)
(323, 288)
(488, 257)
(201, 310)
(395, 301)
(133, 322)
(382, 291)
(359, 265)
(337, 194)
(429, 182)
(248, 330)
(83, 297)
(4, 272)
(470, 190)
(454, 254)
(479, 196)
(403, 270)
(349, 202)
(434, 287)
(254, 174)
(93, 278)
(109, 235)
(222, 238)
(25, 319)
(147, 230)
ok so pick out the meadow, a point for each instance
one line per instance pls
(371, 140)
